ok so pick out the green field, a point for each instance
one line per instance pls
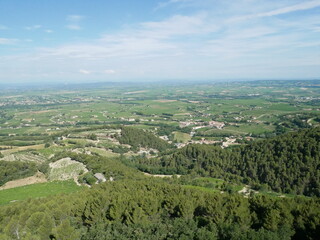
(181, 137)
(37, 191)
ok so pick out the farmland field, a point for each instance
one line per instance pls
(252, 107)
(37, 191)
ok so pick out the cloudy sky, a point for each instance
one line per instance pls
(127, 40)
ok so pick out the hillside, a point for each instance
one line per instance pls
(149, 209)
(288, 163)
(160, 161)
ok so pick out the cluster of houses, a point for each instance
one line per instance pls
(198, 125)
(227, 142)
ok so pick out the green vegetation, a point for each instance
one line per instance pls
(110, 167)
(14, 170)
(151, 209)
(88, 178)
(181, 137)
(38, 190)
(140, 138)
(64, 169)
(287, 163)
(236, 161)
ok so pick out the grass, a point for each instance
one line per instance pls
(206, 184)
(212, 180)
(17, 149)
(47, 152)
(103, 152)
(201, 188)
(182, 137)
(37, 191)
(25, 157)
(251, 128)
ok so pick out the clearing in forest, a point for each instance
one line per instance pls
(65, 169)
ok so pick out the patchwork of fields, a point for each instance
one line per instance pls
(39, 126)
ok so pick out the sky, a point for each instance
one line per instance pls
(151, 40)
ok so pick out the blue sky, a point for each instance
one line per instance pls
(126, 40)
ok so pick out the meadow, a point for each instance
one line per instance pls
(37, 191)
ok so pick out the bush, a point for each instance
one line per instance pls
(92, 136)
(88, 178)
(44, 168)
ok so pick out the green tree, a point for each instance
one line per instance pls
(65, 231)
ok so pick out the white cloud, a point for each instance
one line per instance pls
(293, 8)
(205, 44)
(109, 71)
(48, 31)
(83, 71)
(284, 10)
(149, 39)
(179, 25)
(170, 2)
(3, 27)
(7, 41)
(34, 27)
(74, 22)
(73, 27)
(75, 18)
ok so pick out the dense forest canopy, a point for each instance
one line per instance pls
(149, 209)
(288, 163)
(140, 138)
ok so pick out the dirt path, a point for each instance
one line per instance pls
(309, 121)
(160, 175)
(262, 115)
(38, 178)
(246, 190)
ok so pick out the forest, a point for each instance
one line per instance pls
(140, 138)
(151, 209)
(287, 163)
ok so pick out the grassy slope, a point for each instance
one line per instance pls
(37, 190)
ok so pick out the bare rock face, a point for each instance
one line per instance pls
(100, 177)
